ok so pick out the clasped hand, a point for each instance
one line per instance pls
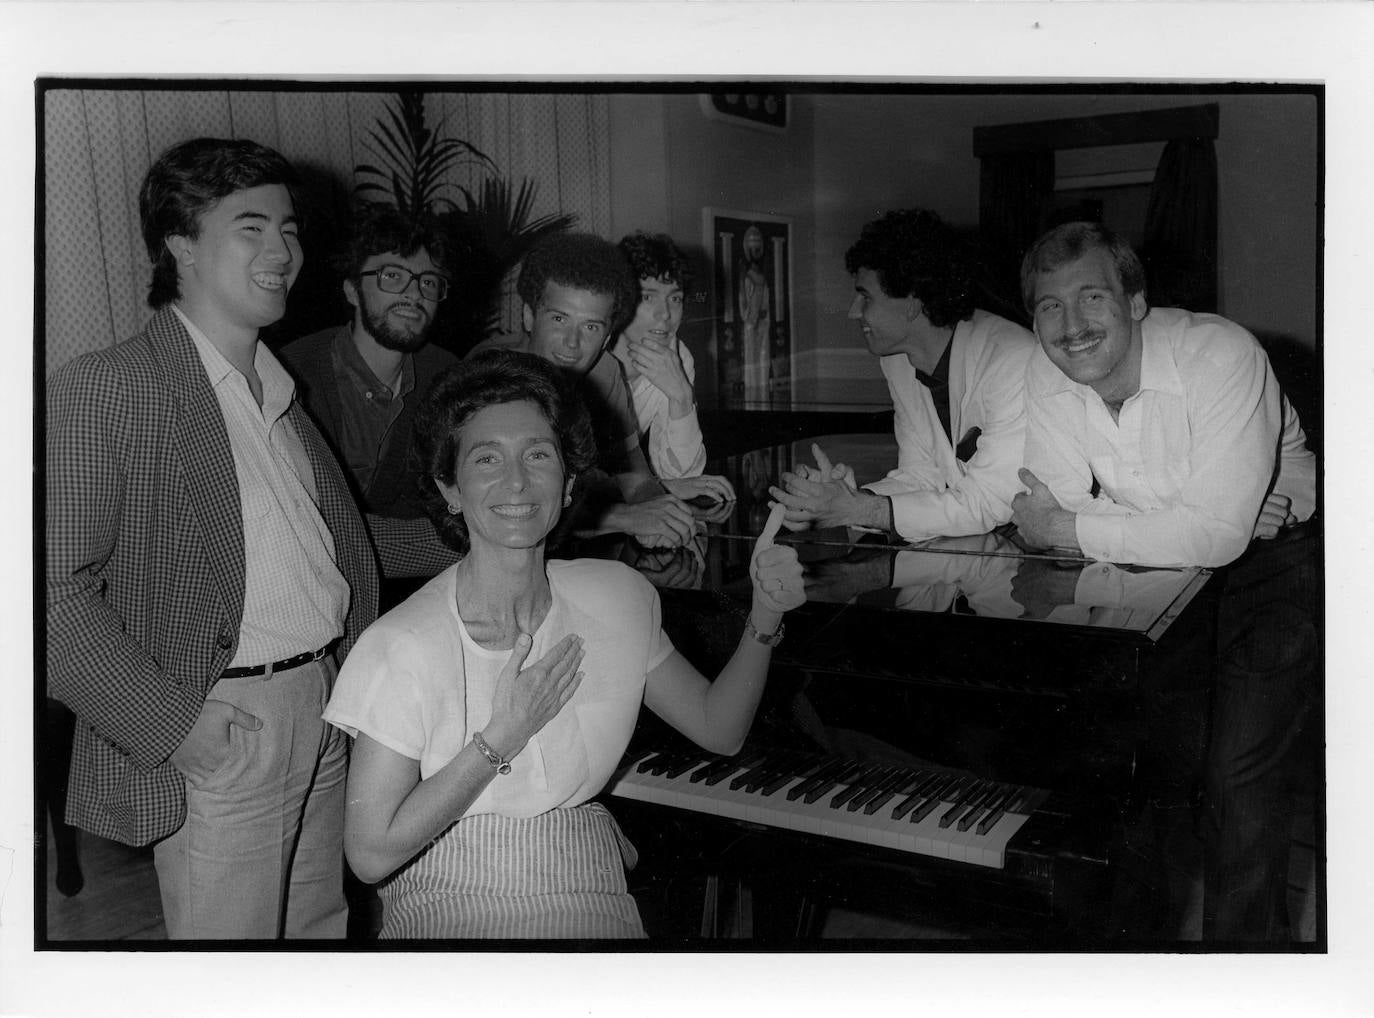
(821, 496)
(664, 521)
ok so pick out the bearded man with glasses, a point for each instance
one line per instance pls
(362, 381)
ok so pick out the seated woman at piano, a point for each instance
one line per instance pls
(490, 708)
(661, 372)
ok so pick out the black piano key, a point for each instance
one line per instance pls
(948, 791)
(750, 775)
(990, 821)
(999, 800)
(841, 777)
(684, 764)
(856, 784)
(666, 762)
(880, 783)
(826, 774)
(804, 767)
(646, 765)
(735, 763)
(823, 773)
(717, 765)
(1013, 798)
(915, 796)
(906, 781)
(971, 796)
(970, 815)
(885, 794)
(782, 765)
(996, 795)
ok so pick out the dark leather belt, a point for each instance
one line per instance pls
(276, 666)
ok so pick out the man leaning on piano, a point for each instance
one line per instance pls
(1133, 435)
(955, 373)
(1156, 436)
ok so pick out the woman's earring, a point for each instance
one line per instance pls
(455, 510)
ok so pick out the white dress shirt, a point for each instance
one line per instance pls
(1185, 468)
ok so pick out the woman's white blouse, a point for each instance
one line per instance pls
(417, 683)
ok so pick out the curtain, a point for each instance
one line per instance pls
(1180, 244)
(99, 142)
(1013, 189)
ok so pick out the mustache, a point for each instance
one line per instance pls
(412, 305)
(1081, 335)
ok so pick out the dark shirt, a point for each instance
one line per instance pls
(938, 384)
(368, 426)
(364, 431)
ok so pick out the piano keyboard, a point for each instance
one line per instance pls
(944, 814)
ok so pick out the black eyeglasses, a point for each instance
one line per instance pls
(397, 279)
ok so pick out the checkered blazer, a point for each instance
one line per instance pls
(145, 567)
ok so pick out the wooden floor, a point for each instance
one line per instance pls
(119, 901)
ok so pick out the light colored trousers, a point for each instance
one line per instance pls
(261, 853)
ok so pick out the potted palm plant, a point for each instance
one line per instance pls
(414, 170)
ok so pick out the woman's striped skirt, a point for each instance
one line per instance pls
(557, 875)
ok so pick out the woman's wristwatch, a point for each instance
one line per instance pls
(767, 639)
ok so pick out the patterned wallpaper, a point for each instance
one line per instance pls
(100, 141)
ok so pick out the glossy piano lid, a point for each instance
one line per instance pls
(988, 575)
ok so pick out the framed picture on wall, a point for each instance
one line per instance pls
(751, 309)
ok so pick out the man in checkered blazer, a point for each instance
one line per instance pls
(206, 569)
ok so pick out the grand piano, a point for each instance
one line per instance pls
(959, 731)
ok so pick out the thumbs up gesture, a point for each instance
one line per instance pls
(775, 571)
(1040, 518)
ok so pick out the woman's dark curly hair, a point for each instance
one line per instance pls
(655, 256)
(492, 378)
(914, 254)
(582, 261)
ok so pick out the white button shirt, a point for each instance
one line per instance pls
(1185, 468)
(295, 597)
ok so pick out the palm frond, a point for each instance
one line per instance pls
(414, 163)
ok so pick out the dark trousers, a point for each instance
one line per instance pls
(1227, 724)
(1265, 695)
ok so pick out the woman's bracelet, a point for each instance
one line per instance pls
(499, 763)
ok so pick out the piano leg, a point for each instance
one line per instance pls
(732, 918)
